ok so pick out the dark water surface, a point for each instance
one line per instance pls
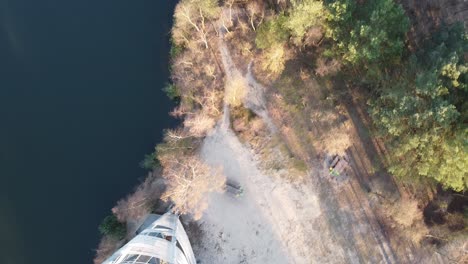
(80, 105)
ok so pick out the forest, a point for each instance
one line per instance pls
(416, 97)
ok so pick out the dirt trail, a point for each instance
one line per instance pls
(255, 98)
(276, 221)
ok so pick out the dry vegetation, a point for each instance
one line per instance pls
(132, 210)
(274, 154)
(141, 202)
(107, 246)
(196, 72)
(198, 125)
(189, 181)
(236, 91)
(273, 60)
(408, 219)
(187, 178)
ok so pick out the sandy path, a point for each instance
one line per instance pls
(273, 222)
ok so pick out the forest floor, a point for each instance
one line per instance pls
(318, 219)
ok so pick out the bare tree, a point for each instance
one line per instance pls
(107, 246)
(177, 143)
(194, 15)
(189, 181)
(255, 9)
(199, 80)
(138, 204)
(199, 124)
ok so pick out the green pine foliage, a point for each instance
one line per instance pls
(339, 20)
(424, 112)
(171, 91)
(111, 226)
(150, 161)
(175, 49)
(366, 34)
(293, 23)
(303, 15)
(272, 33)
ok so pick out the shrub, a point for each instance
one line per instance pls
(111, 226)
(150, 161)
(142, 201)
(242, 113)
(409, 219)
(304, 15)
(274, 59)
(172, 91)
(236, 90)
(175, 49)
(107, 247)
(272, 33)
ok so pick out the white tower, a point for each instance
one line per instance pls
(162, 241)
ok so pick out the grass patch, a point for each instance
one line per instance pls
(299, 165)
(290, 88)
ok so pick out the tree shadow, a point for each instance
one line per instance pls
(371, 152)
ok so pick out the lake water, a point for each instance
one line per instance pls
(80, 105)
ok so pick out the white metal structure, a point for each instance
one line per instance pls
(163, 241)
